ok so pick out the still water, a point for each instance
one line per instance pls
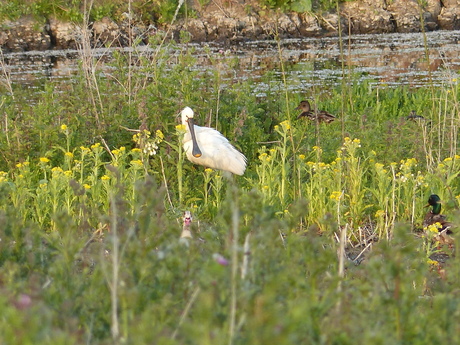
(389, 59)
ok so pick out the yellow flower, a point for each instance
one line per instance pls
(63, 127)
(119, 151)
(263, 156)
(22, 164)
(159, 134)
(411, 162)
(434, 228)
(3, 176)
(301, 157)
(136, 150)
(84, 149)
(68, 173)
(286, 125)
(335, 196)
(276, 127)
(432, 262)
(448, 159)
(136, 162)
(208, 170)
(265, 187)
(379, 213)
(57, 170)
(69, 154)
(357, 141)
(86, 186)
(95, 146)
(180, 128)
(105, 178)
(44, 160)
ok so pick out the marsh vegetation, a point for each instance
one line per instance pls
(94, 184)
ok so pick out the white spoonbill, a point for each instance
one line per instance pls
(208, 147)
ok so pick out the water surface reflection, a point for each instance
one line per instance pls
(392, 59)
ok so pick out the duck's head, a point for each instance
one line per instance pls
(435, 201)
(304, 106)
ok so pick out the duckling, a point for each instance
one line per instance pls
(434, 216)
(320, 116)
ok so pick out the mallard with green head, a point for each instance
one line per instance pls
(320, 115)
(434, 216)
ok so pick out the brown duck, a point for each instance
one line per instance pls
(320, 116)
(434, 216)
(414, 117)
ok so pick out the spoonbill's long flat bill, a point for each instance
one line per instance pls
(208, 147)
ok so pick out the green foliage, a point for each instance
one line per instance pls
(301, 6)
(159, 11)
(95, 181)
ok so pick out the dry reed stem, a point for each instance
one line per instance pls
(246, 256)
(113, 284)
(234, 249)
(186, 311)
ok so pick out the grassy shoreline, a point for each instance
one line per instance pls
(152, 12)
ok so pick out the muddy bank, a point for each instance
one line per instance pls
(236, 21)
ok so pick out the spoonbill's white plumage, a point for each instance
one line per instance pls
(208, 147)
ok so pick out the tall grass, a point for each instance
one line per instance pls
(92, 194)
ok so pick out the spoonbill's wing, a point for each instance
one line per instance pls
(217, 152)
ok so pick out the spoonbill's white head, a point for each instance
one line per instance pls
(187, 119)
(187, 113)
